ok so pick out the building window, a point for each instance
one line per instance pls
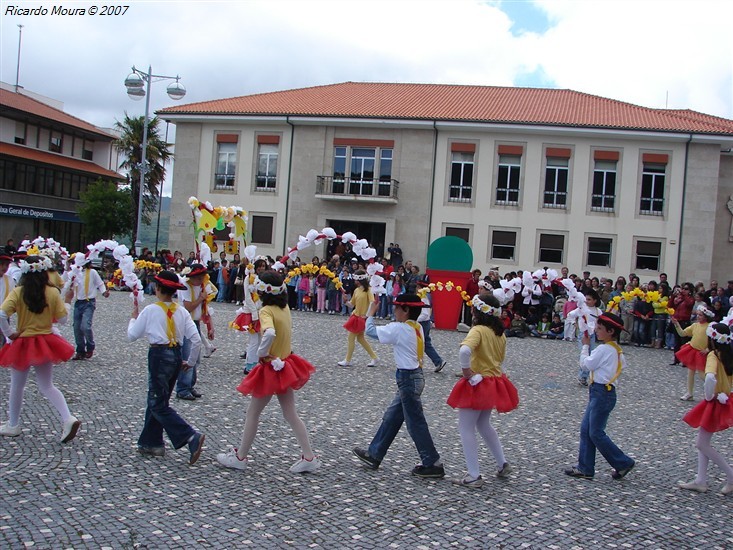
(652, 189)
(370, 170)
(603, 197)
(551, 248)
(648, 255)
(267, 167)
(226, 164)
(460, 232)
(599, 252)
(556, 183)
(507, 186)
(503, 245)
(261, 229)
(20, 131)
(461, 177)
(55, 142)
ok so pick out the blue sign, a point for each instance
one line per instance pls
(38, 213)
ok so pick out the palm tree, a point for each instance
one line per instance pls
(130, 145)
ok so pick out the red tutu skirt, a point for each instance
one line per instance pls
(493, 392)
(244, 323)
(712, 416)
(355, 324)
(263, 380)
(691, 358)
(28, 351)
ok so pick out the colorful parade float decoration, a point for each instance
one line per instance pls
(208, 218)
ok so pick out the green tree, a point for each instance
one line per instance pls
(158, 153)
(105, 210)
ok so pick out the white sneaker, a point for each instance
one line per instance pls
(373, 363)
(10, 431)
(304, 466)
(344, 363)
(687, 397)
(71, 426)
(231, 460)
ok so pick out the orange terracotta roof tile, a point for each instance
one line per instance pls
(490, 104)
(53, 159)
(26, 104)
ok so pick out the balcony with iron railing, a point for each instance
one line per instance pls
(363, 190)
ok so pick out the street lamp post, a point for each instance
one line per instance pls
(135, 82)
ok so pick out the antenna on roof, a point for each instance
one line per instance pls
(17, 69)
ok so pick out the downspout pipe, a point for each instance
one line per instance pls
(432, 184)
(287, 192)
(682, 211)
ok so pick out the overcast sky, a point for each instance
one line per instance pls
(677, 54)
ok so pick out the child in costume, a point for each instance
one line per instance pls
(7, 283)
(715, 412)
(84, 289)
(483, 387)
(248, 317)
(604, 364)
(589, 312)
(166, 325)
(195, 297)
(278, 372)
(407, 338)
(693, 354)
(360, 301)
(33, 343)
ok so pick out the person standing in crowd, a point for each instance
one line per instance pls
(472, 289)
(682, 303)
(33, 344)
(85, 288)
(166, 325)
(395, 255)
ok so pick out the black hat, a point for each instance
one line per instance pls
(613, 320)
(410, 300)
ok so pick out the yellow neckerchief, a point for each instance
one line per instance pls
(170, 329)
(255, 294)
(420, 341)
(615, 346)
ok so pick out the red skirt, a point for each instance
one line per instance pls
(712, 416)
(355, 324)
(263, 380)
(493, 392)
(28, 351)
(691, 358)
(244, 323)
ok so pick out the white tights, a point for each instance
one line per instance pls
(470, 421)
(44, 379)
(706, 453)
(287, 404)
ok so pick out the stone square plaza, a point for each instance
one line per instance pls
(97, 492)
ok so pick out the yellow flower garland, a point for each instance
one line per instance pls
(449, 286)
(312, 269)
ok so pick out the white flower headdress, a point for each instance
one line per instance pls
(483, 307)
(362, 277)
(268, 288)
(719, 337)
(705, 311)
(43, 264)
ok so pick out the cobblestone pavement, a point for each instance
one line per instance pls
(97, 492)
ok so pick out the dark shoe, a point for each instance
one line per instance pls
(89, 354)
(196, 394)
(433, 471)
(243, 356)
(506, 469)
(441, 366)
(185, 396)
(574, 472)
(363, 455)
(195, 446)
(620, 474)
(79, 357)
(151, 451)
(673, 363)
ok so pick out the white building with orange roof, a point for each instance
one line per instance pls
(528, 177)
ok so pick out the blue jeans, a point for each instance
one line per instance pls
(593, 432)
(641, 331)
(583, 374)
(187, 378)
(302, 294)
(406, 407)
(83, 315)
(163, 366)
(430, 350)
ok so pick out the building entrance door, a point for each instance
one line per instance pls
(371, 231)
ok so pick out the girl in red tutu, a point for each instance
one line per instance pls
(715, 412)
(482, 388)
(360, 301)
(34, 344)
(693, 355)
(279, 372)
